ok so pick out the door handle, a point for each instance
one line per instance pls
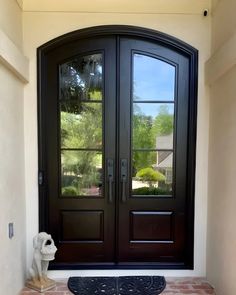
(110, 178)
(123, 177)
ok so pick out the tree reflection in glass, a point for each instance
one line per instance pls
(81, 116)
(81, 78)
(81, 173)
(153, 93)
(82, 129)
(152, 149)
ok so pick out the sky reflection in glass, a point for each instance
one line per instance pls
(153, 79)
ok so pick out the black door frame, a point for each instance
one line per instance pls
(167, 41)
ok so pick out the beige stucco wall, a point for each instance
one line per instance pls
(221, 237)
(193, 28)
(11, 20)
(12, 197)
(223, 22)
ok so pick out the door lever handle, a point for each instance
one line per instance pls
(110, 173)
(123, 177)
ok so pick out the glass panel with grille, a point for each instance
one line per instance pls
(153, 127)
(81, 121)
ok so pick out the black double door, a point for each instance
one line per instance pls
(114, 126)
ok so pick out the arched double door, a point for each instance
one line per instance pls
(116, 148)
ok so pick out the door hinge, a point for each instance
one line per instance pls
(40, 178)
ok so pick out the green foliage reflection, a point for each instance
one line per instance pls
(149, 133)
(81, 129)
(150, 175)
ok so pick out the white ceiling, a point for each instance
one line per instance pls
(118, 6)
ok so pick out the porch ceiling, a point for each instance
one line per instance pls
(118, 6)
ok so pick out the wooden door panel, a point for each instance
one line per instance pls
(83, 253)
(151, 227)
(81, 216)
(83, 226)
(155, 224)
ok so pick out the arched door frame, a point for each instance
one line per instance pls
(147, 34)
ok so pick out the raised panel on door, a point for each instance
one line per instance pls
(80, 100)
(154, 99)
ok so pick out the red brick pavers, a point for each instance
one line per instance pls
(194, 286)
(187, 286)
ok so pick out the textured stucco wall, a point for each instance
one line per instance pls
(221, 237)
(12, 196)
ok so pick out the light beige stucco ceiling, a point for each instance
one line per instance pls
(118, 6)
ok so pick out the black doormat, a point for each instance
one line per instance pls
(135, 285)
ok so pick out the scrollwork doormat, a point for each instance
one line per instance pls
(132, 285)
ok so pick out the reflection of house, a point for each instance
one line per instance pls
(165, 156)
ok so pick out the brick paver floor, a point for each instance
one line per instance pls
(174, 286)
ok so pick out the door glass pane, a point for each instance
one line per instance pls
(81, 78)
(153, 79)
(81, 122)
(152, 172)
(81, 173)
(153, 125)
(81, 127)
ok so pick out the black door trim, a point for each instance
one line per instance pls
(148, 34)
